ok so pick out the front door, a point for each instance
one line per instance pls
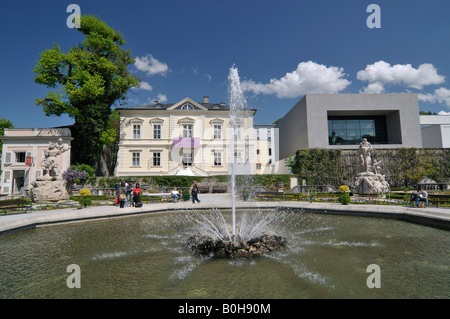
(18, 181)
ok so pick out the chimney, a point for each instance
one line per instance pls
(206, 99)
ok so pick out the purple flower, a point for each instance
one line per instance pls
(71, 174)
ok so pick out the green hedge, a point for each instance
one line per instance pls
(15, 201)
(186, 181)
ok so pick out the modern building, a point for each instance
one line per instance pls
(435, 131)
(184, 138)
(22, 155)
(341, 121)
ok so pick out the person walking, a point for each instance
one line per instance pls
(194, 192)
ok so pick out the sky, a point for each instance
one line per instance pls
(282, 49)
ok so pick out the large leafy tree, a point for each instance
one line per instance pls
(110, 141)
(86, 82)
(4, 124)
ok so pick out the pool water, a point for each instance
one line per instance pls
(145, 256)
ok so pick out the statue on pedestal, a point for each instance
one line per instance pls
(51, 187)
(369, 181)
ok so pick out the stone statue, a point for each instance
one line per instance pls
(51, 187)
(365, 153)
(50, 163)
(369, 181)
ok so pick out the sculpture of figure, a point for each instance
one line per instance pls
(376, 167)
(365, 153)
(50, 164)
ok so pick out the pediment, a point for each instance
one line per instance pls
(156, 120)
(135, 120)
(187, 105)
(186, 120)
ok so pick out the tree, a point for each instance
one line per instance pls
(110, 140)
(4, 124)
(86, 81)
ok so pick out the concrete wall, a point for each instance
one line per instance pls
(293, 130)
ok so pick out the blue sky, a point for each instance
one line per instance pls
(282, 49)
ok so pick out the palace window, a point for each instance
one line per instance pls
(217, 131)
(217, 158)
(136, 131)
(156, 158)
(157, 131)
(136, 159)
(187, 131)
(187, 159)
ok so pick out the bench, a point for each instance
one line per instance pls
(270, 194)
(158, 195)
(438, 199)
(433, 199)
(16, 205)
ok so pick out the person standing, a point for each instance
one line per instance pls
(130, 202)
(122, 195)
(137, 195)
(194, 192)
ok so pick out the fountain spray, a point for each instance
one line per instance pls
(237, 104)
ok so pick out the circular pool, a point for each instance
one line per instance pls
(326, 256)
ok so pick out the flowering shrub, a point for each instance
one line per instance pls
(72, 175)
(343, 188)
(85, 192)
(84, 200)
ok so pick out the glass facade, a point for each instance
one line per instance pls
(350, 130)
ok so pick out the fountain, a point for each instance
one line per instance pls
(220, 239)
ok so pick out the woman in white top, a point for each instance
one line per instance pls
(175, 195)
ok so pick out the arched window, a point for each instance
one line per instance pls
(187, 106)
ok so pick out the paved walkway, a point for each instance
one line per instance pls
(438, 217)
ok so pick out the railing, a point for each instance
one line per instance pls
(434, 186)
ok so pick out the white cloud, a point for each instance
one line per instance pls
(150, 65)
(441, 95)
(375, 87)
(443, 113)
(309, 77)
(162, 98)
(144, 86)
(381, 73)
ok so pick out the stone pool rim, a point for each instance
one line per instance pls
(434, 217)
